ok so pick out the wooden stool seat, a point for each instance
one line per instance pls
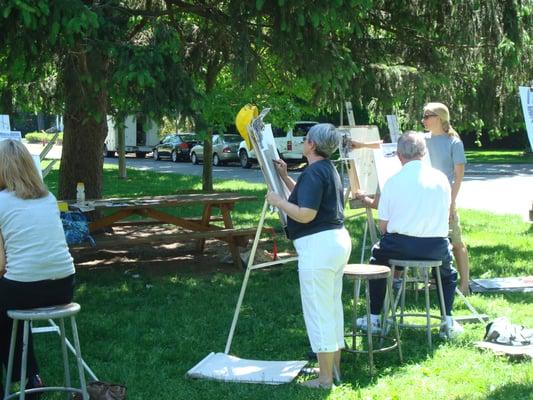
(367, 271)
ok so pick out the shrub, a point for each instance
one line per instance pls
(40, 137)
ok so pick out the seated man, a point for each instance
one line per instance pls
(413, 218)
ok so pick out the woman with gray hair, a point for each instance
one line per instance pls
(315, 223)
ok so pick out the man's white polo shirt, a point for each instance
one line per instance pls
(416, 201)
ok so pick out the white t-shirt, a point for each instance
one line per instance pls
(34, 240)
(416, 201)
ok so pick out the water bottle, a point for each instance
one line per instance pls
(80, 192)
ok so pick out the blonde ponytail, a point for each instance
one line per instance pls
(449, 130)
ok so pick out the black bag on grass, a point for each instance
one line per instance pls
(104, 391)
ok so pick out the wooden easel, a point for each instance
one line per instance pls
(354, 185)
(251, 266)
(274, 183)
(370, 226)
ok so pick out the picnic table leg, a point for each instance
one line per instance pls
(228, 224)
(206, 219)
(109, 220)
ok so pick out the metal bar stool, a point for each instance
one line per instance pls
(45, 313)
(423, 269)
(367, 272)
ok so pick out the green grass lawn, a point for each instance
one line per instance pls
(146, 330)
(499, 157)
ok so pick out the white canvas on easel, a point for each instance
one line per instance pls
(362, 169)
(387, 162)
(263, 142)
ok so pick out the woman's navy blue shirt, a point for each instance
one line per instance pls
(319, 187)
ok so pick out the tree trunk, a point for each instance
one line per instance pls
(6, 101)
(40, 121)
(85, 126)
(207, 172)
(121, 136)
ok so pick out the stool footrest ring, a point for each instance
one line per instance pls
(45, 389)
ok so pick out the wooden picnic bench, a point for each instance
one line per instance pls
(117, 211)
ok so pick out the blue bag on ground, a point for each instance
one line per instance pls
(76, 228)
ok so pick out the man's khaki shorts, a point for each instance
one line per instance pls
(455, 229)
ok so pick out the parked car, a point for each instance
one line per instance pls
(177, 146)
(225, 149)
(289, 144)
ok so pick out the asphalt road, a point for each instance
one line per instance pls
(498, 188)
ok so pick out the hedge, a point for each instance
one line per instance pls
(42, 137)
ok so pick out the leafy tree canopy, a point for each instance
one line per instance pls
(205, 59)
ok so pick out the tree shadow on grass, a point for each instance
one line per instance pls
(499, 261)
(515, 391)
(511, 297)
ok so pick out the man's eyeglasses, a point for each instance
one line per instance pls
(426, 116)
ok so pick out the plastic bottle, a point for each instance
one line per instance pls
(80, 192)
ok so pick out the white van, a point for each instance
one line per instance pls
(289, 144)
(139, 138)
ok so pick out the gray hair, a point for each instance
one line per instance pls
(325, 137)
(412, 145)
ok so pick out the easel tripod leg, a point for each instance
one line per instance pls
(245, 280)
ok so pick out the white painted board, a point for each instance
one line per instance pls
(394, 128)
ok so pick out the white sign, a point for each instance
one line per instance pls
(4, 123)
(15, 135)
(526, 95)
(394, 128)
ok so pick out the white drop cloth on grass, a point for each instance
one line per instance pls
(223, 367)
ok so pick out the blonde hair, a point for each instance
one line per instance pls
(18, 173)
(444, 114)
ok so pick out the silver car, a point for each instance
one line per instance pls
(225, 149)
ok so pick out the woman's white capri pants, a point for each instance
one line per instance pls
(321, 260)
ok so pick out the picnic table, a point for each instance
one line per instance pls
(115, 212)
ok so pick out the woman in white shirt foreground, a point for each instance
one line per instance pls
(35, 261)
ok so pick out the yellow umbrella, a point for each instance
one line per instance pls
(244, 117)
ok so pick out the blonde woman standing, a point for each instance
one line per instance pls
(447, 154)
(37, 269)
